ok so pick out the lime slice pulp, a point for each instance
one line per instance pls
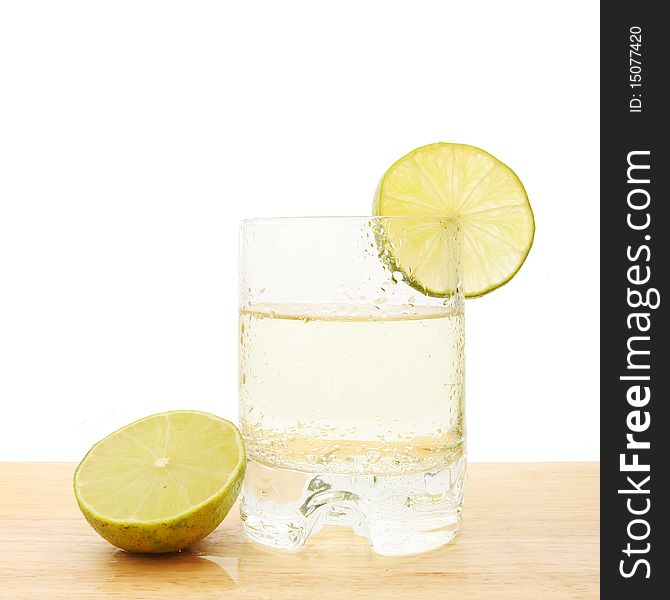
(471, 188)
(163, 482)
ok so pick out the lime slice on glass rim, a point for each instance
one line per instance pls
(470, 190)
(163, 482)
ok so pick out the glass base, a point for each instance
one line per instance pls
(399, 514)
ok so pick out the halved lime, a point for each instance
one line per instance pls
(163, 482)
(474, 190)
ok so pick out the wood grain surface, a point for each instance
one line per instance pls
(530, 531)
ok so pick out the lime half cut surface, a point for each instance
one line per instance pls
(163, 482)
(475, 192)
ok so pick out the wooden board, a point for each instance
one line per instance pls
(530, 531)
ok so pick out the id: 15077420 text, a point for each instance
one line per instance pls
(635, 69)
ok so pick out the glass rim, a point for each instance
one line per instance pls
(343, 218)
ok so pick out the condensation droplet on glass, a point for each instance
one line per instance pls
(373, 456)
(396, 277)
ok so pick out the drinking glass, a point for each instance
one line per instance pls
(351, 381)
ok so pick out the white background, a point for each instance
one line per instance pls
(135, 135)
